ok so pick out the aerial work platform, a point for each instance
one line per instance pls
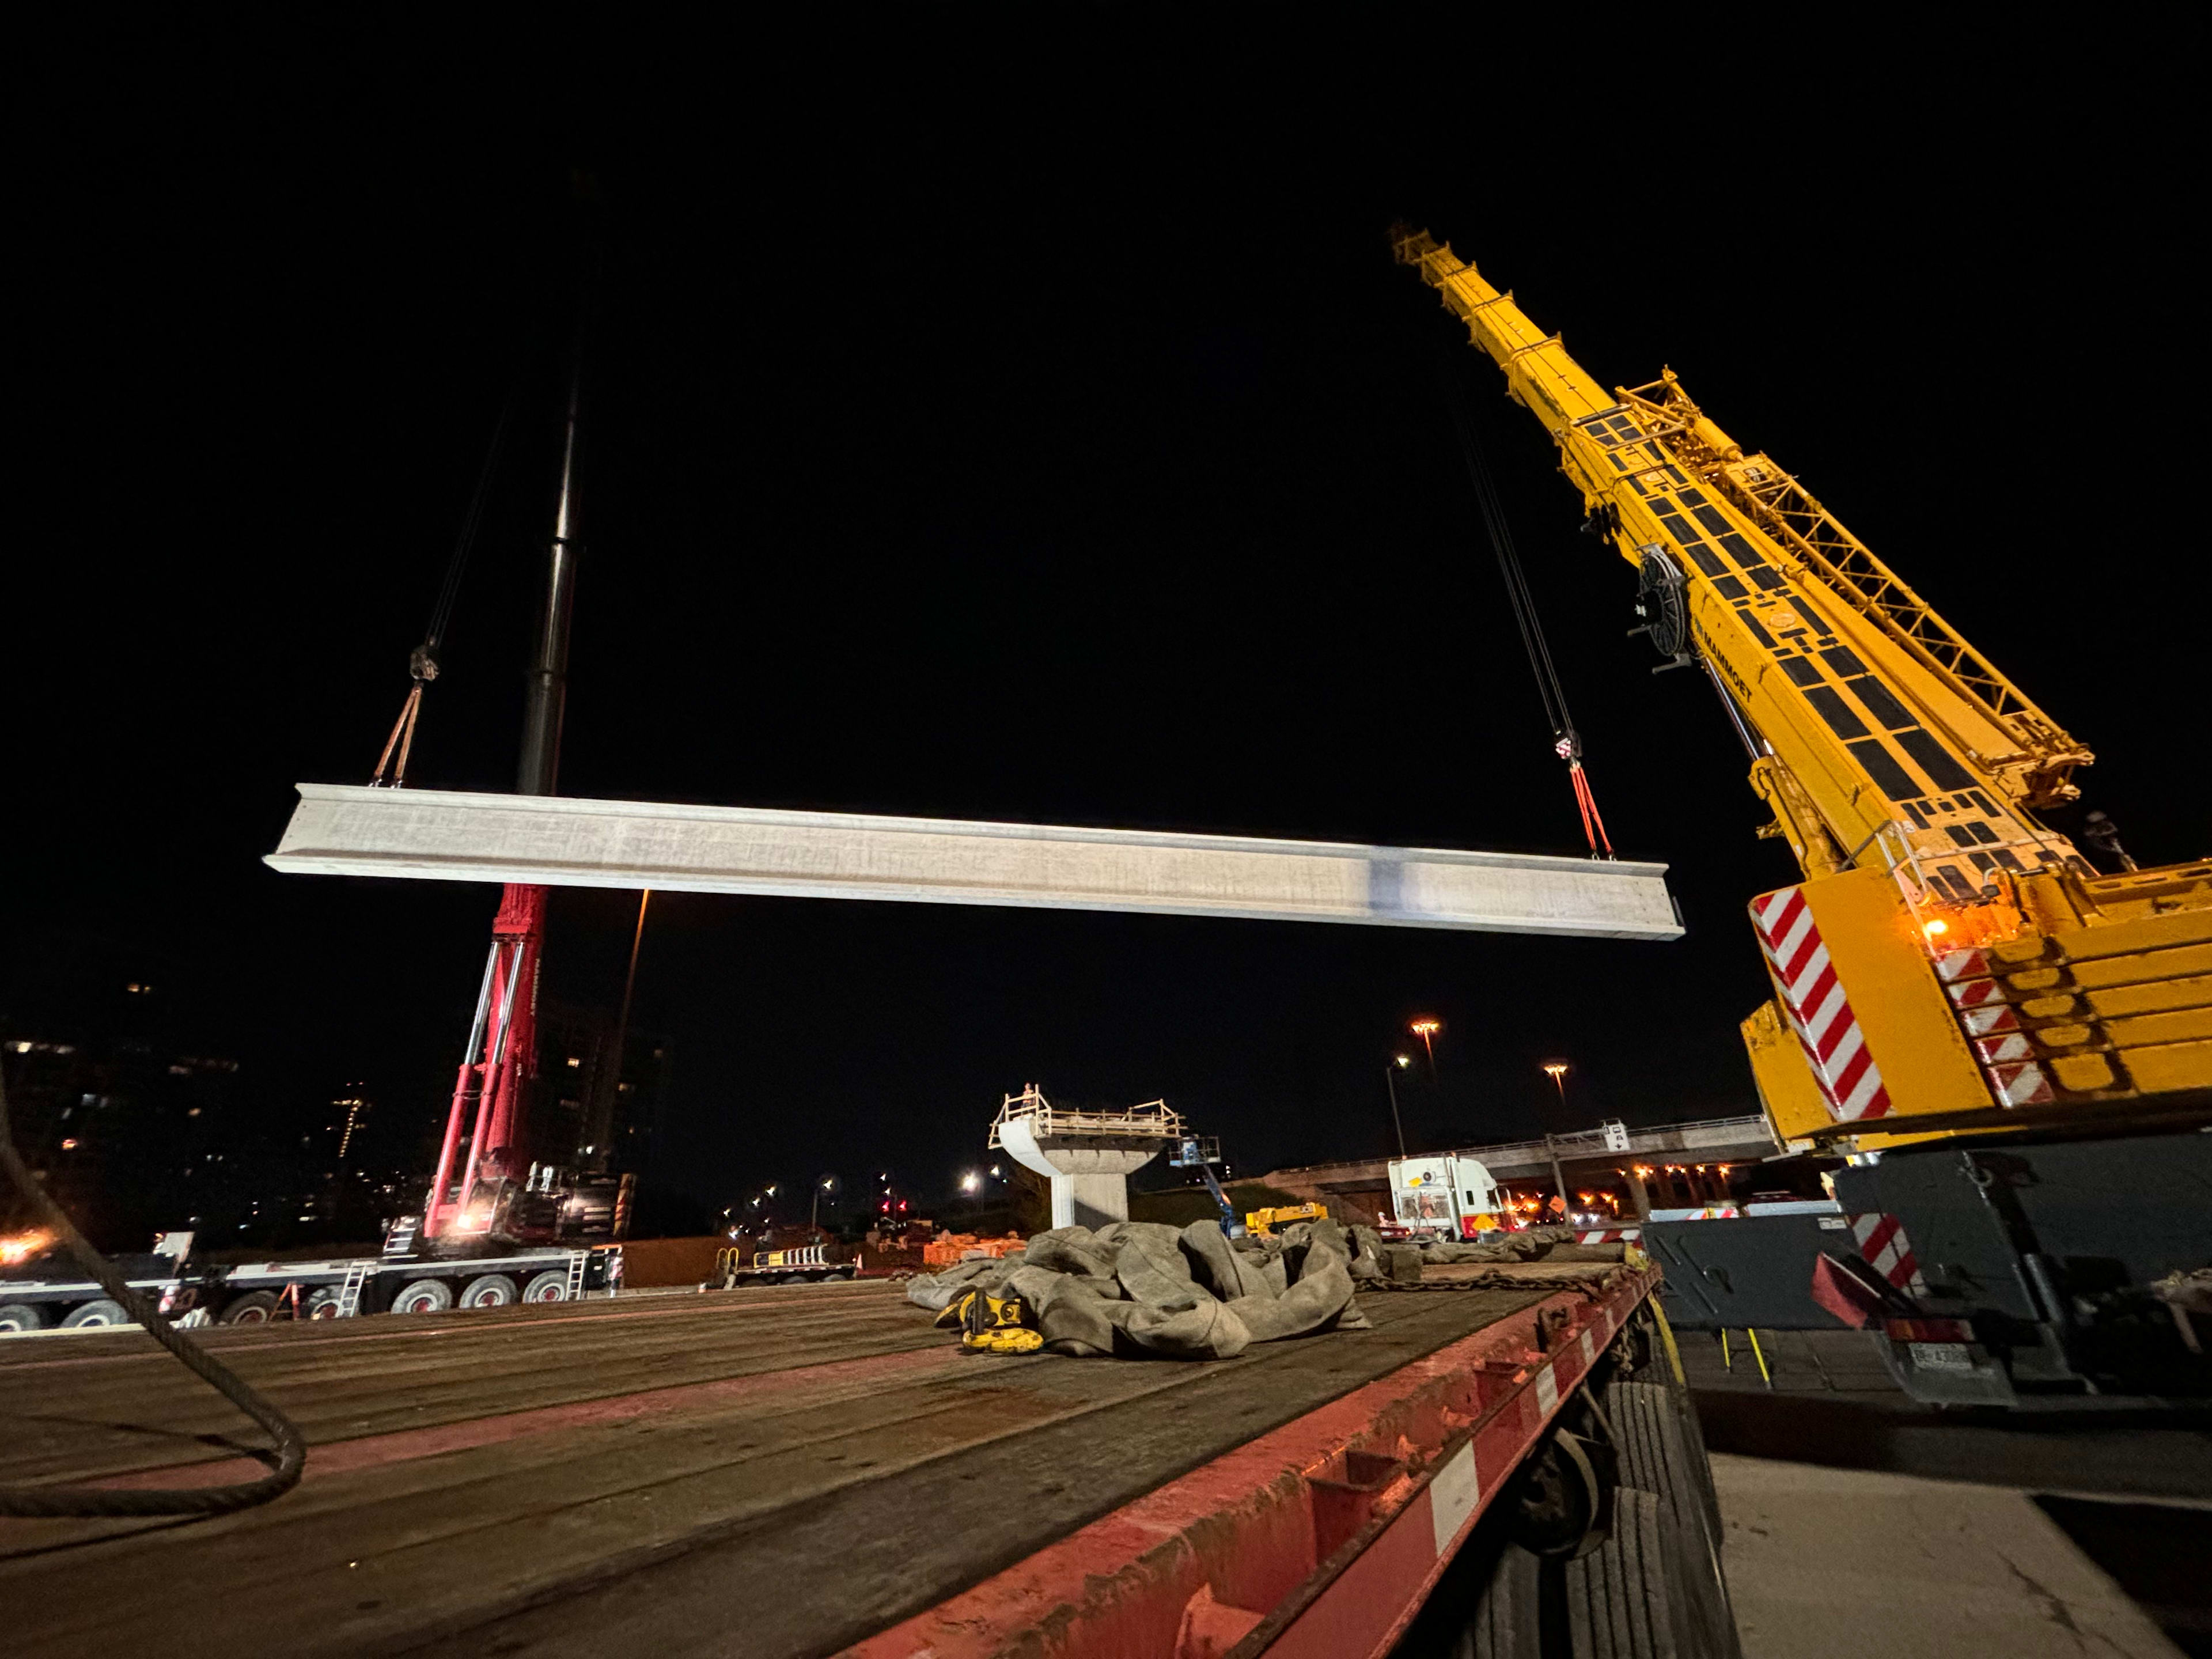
(553, 840)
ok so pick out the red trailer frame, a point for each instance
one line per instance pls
(1319, 1541)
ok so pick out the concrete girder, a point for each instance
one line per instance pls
(554, 840)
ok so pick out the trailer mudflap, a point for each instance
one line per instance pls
(1322, 1538)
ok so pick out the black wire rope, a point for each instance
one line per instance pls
(1509, 566)
(290, 1454)
(449, 593)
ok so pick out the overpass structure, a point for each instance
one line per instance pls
(1366, 1182)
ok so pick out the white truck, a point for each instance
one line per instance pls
(1445, 1196)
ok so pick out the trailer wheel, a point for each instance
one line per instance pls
(1625, 1599)
(102, 1312)
(22, 1316)
(1662, 1453)
(254, 1308)
(1558, 1498)
(324, 1303)
(1509, 1620)
(551, 1286)
(492, 1291)
(423, 1296)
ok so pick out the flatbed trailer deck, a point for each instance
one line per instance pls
(792, 1471)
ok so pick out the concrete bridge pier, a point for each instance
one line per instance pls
(1088, 1156)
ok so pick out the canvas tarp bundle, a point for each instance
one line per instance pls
(1140, 1287)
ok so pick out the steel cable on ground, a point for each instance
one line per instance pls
(1567, 742)
(290, 1453)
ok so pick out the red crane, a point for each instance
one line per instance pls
(492, 1094)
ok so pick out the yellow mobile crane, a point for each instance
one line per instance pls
(2012, 1049)
(1949, 964)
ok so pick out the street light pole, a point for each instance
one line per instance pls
(1558, 1179)
(1557, 1071)
(1390, 1081)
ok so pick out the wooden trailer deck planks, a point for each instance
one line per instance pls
(771, 1472)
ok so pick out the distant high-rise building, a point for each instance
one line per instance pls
(127, 1129)
(593, 1116)
(350, 1119)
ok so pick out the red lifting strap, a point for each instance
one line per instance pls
(1585, 800)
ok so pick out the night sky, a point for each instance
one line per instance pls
(1054, 448)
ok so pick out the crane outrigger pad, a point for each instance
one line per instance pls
(552, 841)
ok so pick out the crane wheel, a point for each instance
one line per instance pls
(492, 1291)
(323, 1304)
(423, 1296)
(22, 1316)
(254, 1308)
(102, 1312)
(548, 1286)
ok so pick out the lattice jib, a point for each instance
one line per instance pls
(1800, 525)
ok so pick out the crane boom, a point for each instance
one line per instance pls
(1948, 957)
(1878, 721)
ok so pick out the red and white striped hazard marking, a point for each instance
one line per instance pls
(1821, 1014)
(1882, 1242)
(2008, 1057)
(1611, 1235)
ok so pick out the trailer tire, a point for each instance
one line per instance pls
(1662, 1453)
(1509, 1620)
(1625, 1599)
(99, 1312)
(323, 1303)
(551, 1286)
(22, 1316)
(491, 1291)
(423, 1296)
(254, 1308)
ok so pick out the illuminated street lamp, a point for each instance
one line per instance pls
(1557, 1071)
(1398, 1063)
(825, 1184)
(1426, 1028)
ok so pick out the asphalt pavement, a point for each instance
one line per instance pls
(1861, 1522)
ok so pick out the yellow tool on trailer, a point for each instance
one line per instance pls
(1265, 1221)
